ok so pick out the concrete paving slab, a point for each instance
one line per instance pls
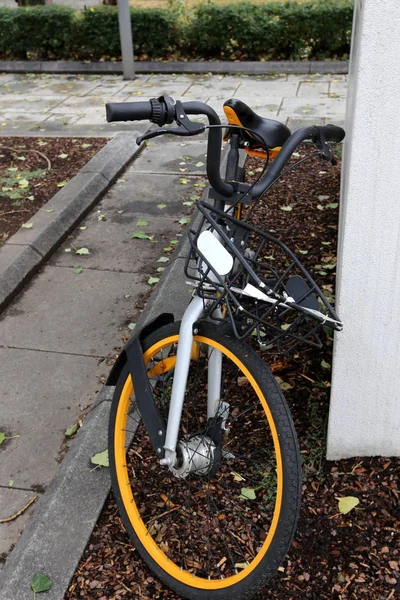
(114, 81)
(39, 407)
(108, 91)
(154, 189)
(21, 117)
(165, 155)
(260, 99)
(267, 89)
(310, 109)
(16, 103)
(80, 104)
(337, 111)
(111, 89)
(91, 116)
(201, 94)
(96, 117)
(150, 90)
(313, 89)
(72, 86)
(12, 501)
(175, 295)
(19, 87)
(5, 78)
(213, 84)
(116, 250)
(87, 130)
(18, 76)
(157, 79)
(56, 121)
(267, 108)
(89, 320)
(34, 83)
(338, 87)
(322, 76)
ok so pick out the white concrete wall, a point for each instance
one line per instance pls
(365, 402)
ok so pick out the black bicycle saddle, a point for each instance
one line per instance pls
(272, 133)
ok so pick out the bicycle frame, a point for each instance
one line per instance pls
(194, 312)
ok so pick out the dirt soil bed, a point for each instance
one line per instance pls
(32, 170)
(350, 556)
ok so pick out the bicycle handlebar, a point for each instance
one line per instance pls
(319, 135)
(129, 111)
(163, 111)
(333, 133)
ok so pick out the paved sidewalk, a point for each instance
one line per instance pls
(57, 336)
(73, 105)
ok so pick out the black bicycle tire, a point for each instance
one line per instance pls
(286, 527)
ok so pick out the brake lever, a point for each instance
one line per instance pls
(173, 131)
(186, 126)
(324, 148)
(327, 153)
(151, 134)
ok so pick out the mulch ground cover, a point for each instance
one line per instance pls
(33, 169)
(334, 555)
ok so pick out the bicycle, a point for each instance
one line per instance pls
(203, 451)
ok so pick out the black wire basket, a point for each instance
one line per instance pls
(263, 291)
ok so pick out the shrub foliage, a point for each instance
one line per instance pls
(307, 29)
(283, 31)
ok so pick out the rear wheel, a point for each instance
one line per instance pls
(223, 527)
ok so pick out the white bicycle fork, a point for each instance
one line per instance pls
(192, 314)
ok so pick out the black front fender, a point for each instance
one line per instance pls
(160, 321)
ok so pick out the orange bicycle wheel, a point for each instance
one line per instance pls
(221, 530)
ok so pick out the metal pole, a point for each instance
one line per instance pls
(125, 33)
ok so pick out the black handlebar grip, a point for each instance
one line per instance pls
(129, 111)
(333, 133)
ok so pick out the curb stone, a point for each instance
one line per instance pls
(178, 67)
(28, 249)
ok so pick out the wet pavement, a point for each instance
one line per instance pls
(73, 105)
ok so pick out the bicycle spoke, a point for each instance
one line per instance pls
(201, 521)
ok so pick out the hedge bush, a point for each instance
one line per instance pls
(154, 32)
(59, 32)
(304, 30)
(308, 29)
(42, 32)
